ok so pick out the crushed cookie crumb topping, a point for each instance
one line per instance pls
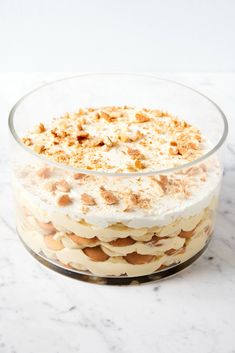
(82, 135)
(63, 186)
(44, 173)
(108, 196)
(139, 164)
(134, 153)
(64, 200)
(117, 138)
(142, 117)
(79, 176)
(88, 200)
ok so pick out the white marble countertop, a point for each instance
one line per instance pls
(42, 311)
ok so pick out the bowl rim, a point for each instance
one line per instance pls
(17, 139)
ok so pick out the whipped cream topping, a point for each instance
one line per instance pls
(156, 208)
(119, 139)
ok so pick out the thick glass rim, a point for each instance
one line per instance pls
(103, 172)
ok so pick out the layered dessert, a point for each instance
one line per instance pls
(117, 191)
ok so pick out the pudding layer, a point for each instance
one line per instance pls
(132, 255)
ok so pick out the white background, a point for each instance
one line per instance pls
(117, 35)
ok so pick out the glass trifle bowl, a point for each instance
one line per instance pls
(116, 177)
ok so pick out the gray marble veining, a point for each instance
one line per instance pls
(41, 311)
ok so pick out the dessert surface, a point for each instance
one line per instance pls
(118, 139)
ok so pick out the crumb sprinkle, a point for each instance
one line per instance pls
(117, 138)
